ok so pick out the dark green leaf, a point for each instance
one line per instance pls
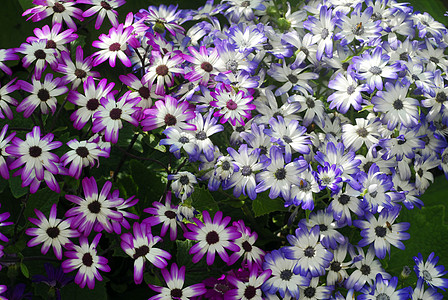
(263, 205)
(41, 200)
(15, 184)
(25, 4)
(203, 200)
(74, 292)
(24, 270)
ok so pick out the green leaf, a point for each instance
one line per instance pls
(150, 186)
(15, 184)
(24, 270)
(25, 4)
(74, 292)
(41, 200)
(263, 205)
(203, 200)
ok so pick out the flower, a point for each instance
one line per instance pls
(429, 272)
(94, 208)
(182, 184)
(212, 236)
(61, 11)
(386, 289)
(35, 154)
(4, 171)
(4, 216)
(103, 8)
(420, 293)
(232, 106)
(161, 70)
(163, 17)
(55, 279)
(38, 51)
(140, 247)
(55, 40)
(52, 232)
(166, 214)
(6, 100)
(175, 282)
(206, 62)
(252, 255)
(348, 93)
(250, 290)
(85, 259)
(7, 54)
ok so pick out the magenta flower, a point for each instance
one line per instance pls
(103, 8)
(140, 247)
(3, 217)
(162, 70)
(55, 39)
(212, 236)
(38, 52)
(4, 171)
(6, 100)
(165, 214)
(232, 106)
(85, 259)
(117, 224)
(7, 54)
(61, 11)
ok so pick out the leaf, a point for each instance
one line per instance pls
(263, 205)
(25, 4)
(74, 292)
(24, 270)
(41, 200)
(15, 184)
(203, 200)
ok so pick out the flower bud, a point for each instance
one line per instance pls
(283, 24)
(405, 272)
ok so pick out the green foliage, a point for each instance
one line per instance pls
(203, 200)
(263, 204)
(73, 292)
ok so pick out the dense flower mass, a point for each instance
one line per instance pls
(293, 139)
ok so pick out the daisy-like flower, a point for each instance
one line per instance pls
(7, 54)
(163, 17)
(384, 289)
(436, 102)
(87, 261)
(89, 103)
(113, 45)
(232, 106)
(206, 127)
(55, 279)
(420, 293)
(329, 236)
(366, 270)
(4, 171)
(103, 8)
(61, 11)
(429, 272)
(83, 154)
(55, 39)
(285, 279)
(178, 140)
(302, 194)
(348, 93)
(311, 256)
(38, 51)
(382, 232)
(364, 132)
(250, 290)
(252, 255)
(3, 217)
(426, 25)
(93, 208)
(213, 237)
(140, 247)
(35, 154)
(169, 112)
(51, 232)
(111, 113)
(330, 177)
(182, 184)
(43, 95)
(358, 25)
(141, 90)
(162, 69)
(246, 37)
(175, 282)
(77, 72)
(314, 109)
(315, 291)
(422, 167)
(396, 106)
(117, 224)
(242, 8)
(206, 62)
(344, 203)
(336, 271)
(166, 214)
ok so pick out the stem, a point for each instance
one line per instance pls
(123, 158)
(22, 210)
(29, 258)
(57, 114)
(142, 158)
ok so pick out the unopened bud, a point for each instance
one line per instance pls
(283, 24)
(405, 272)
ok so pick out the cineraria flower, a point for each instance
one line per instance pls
(267, 106)
(246, 37)
(204, 64)
(55, 40)
(420, 293)
(175, 283)
(212, 236)
(386, 289)
(162, 69)
(252, 255)
(7, 54)
(113, 45)
(35, 154)
(364, 132)
(329, 177)
(103, 8)
(336, 271)
(52, 232)
(94, 208)
(329, 236)
(338, 155)
(178, 140)
(163, 17)
(426, 25)
(83, 154)
(140, 90)
(61, 11)
(310, 255)
(344, 203)
(241, 8)
(43, 94)
(117, 224)
(396, 107)
(140, 247)
(315, 292)
(169, 112)
(232, 106)
(250, 290)
(85, 259)
(78, 72)
(111, 113)
(382, 232)
(314, 108)
(348, 93)
(4, 171)
(284, 278)
(38, 51)
(55, 279)
(182, 184)
(4, 216)
(359, 25)
(422, 167)
(429, 272)
(166, 214)
(302, 194)
(205, 127)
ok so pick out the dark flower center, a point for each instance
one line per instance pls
(401, 141)
(247, 246)
(250, 292)
(87, 259)
(434, 59)
(280, 174)
(310, 102)
(309, 292)
(232, 105)
(170, 120)
(268, 47)
(292, 78)
(287, 139)
(80, 73)
(184, 140)
(441, 97)
(240, 129)
(367, 166)
(105, 5)
(144, 92)
(373, 194)
(351, 89)
(362, 132)
(170, 214)
(51, 44)
(94, 207)
(184, 180)
(323, 227)
(376, 16)
(115, 47)
(212, 237)
(263, 150)
(380, 231)
(245, 3)
(426, 275)
(309, 251)
(232, 65)
(246, 171)
(420, 172)
(382, 296)
(201, 135)
(115, 113)
(141, 251)
(286, 275)
(358, 29)
(324, 34)
(53, 232)
(43, 95)
(375, 70)
(404, 56)
(344, 199)
(176, 293)
(162, 70)
(40, 54)
(398, 104)
(345, 66)
(35, 151)
(335, 266)
(305, 51)
(58, 7)
(82, 151)
(365, 270)
(226, 165)
(207, 67)
(93, 104)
